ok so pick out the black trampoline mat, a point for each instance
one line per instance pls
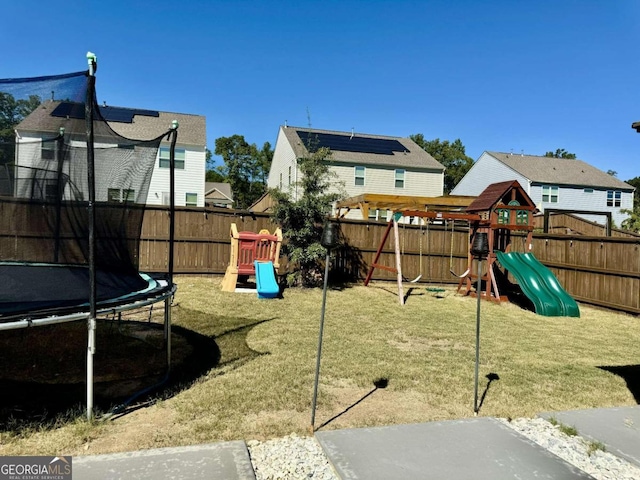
(30, 288)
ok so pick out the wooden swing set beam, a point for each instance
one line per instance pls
(393, 224)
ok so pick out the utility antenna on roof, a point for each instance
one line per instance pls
(522, 153)
(285, 124)
(308, 117)
(52, 95)
(351, 134)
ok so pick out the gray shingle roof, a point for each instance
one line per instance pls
(222, 187)
(561, 171)
(191, 130)
(412, 157)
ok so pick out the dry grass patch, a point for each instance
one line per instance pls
(261, 383)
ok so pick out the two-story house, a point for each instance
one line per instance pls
(552, 183)
(363, 164)
(190, 154)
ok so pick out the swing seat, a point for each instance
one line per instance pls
(435, 289)
(460, 276)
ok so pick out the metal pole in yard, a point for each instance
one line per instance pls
(478, 294)
(317, 377)
(329, 240)
(479, 249)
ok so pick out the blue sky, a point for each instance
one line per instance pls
(504, 75)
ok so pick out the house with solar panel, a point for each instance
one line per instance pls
(554, 184)
(364, 164)
(52, 117)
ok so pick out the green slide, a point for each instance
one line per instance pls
(539, 285)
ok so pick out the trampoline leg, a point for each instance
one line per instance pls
(167, 330)
(91, 348)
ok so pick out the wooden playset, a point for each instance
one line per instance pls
(499, 210)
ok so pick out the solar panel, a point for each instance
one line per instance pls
(110, 114)
(350, 143)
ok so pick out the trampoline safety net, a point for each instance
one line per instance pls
(44, 186)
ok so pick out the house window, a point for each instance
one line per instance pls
(614, 198)
(120, 195)
(165, 157)
(191, 199)
(377, 214)
(359, 176)
(51, 191)
(289, 175)
(48, 151)
(588, 190)
(399, 175)
(549, 194)
(280, 180)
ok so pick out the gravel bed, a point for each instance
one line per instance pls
(575, 450)
(290, 458)
(296, 458)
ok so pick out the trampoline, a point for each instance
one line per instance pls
(73, 193)
(34, 293)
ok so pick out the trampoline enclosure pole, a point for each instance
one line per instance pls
(88, 113)
(172, 229)
(59, 158)
(172, 200)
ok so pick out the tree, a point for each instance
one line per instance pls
(633, 222)
(560, 153)
(213, 173)
(12, 112)
(245, 167)
(635, 182)
(451, 155)
(302, 219)
(214, 176)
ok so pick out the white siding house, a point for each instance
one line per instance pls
(552, 183)
(363, 164)
(144, 125)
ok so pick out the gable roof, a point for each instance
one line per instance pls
(223, 189)
(495, 192)
(562, 171)
(191, 130)
(362, 148)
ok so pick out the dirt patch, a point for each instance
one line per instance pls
(44, 369)
(146, 428)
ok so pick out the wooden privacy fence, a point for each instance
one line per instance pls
(202, 238)
(603, 271)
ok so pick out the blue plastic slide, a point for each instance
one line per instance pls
(539, 284)
(267, 285)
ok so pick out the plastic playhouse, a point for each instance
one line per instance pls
(254, 254)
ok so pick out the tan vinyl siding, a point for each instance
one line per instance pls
(382, 180)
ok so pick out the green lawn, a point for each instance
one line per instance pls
(262, 384)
